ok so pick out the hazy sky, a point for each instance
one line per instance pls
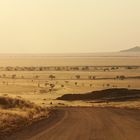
(58, 26)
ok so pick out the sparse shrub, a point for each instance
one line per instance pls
(13, 76)
(117, 77)
(107, 85)
(51, 87)
(46, 84)
(91, 77)
(36, 77)
(77, 76)
(76, 83)
(51, 77)
(62, 86)
(66, 82)
(61, 103)
(121, 77)
(42, 91)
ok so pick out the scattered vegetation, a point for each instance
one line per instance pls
(67, 68)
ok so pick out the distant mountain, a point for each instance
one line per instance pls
(134, 49)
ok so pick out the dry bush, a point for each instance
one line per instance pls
(15, 113)
(7, 102)
(11, 121)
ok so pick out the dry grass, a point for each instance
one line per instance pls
(16, 113)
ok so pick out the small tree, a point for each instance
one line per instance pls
(94, 77)
(117, 77)
(77, 76)
(13, 76)
(51, 77)
(76, 83)
(62, 86)
(90, 85)
(46, 84)
(108, 85)
(91, 77)
(66, 82)
(122, 77)
(36, 77)
(52, 87)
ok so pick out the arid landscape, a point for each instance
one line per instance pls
(69, 70)
(29, 94)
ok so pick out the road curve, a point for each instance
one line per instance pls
(85, 124)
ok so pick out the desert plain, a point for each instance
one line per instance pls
(32, 86)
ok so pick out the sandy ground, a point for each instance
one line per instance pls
(84, 124)
(69, 61)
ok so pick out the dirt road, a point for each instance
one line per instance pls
(85, 124)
